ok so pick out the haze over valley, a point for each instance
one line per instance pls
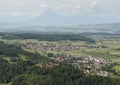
(92, 28)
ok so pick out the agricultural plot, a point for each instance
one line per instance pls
(117, 68)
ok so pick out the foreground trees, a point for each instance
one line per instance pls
(61, 75)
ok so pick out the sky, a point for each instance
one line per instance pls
(17, 9)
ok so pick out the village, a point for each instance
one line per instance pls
(91, 65)
(43, 47)
(88, 64)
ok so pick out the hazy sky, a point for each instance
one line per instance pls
(34, 8)
(109, 8)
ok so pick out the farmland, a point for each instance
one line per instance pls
(96, 55)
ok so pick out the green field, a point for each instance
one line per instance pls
(117, 68)
(4, 84)
(115, 76)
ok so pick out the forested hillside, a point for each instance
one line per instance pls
(49, 37)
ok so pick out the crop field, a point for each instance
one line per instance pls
(117, 68)
(4, 84)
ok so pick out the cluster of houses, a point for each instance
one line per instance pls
(44, 47)
(88, 64)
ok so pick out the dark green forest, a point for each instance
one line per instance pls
(12, 50)
(26, 73)
(49, 37)
(9, 50)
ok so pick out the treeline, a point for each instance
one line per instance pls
(8, 71)
(61, 75)
(9, 49)
(49, 37)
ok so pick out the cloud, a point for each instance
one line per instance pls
(22, 7)
(93, 3)
(104, 8)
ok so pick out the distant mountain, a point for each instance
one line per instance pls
(50, 18)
